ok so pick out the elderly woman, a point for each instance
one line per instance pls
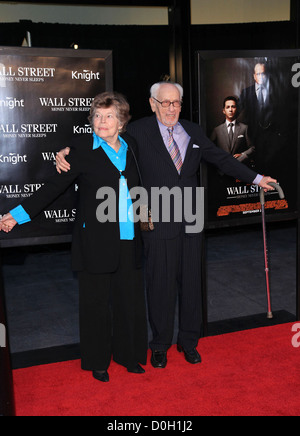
(105, 254)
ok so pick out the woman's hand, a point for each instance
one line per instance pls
(7, 223)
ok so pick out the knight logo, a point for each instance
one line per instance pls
(86, 75)
(13, 159)
(81, 130)
(11, 103)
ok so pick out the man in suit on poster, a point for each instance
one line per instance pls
(256, 100)
(261, 109)
(232, 136)
(173, 256)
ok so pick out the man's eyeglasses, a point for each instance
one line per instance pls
(167, 103)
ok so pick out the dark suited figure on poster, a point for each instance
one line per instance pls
(264, 111)
(106, 255)
(172, 255)
(232, 136)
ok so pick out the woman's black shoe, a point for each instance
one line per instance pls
(136, 369)
(101, 376)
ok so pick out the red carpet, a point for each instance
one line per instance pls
(253, 373)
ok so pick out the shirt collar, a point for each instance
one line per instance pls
(264, 86)
(99, 142)
(164, 128)
(230, 122)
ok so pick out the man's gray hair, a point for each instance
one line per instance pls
(155, 88)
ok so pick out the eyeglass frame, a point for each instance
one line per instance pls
(170, 102)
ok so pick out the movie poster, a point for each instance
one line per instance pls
(45, 98)
(249, 108)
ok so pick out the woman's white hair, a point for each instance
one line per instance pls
(154, 91)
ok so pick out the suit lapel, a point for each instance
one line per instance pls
(187, 155)
(189, 148)
(235, 137)
(226, 137)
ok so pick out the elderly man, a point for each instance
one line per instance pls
(170, 152)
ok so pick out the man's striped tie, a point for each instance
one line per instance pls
(174, 150)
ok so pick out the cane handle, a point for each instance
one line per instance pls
(276, 187)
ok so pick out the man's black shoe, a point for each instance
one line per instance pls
(159, 359)
(191, 356)
(101, 376)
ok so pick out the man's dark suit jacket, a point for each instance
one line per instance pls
(241, 140)
(96, 246)
(251, 113)
(158, 170)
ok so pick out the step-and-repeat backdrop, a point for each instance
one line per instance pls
(45, 98)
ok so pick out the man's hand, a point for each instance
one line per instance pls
(265, 183)
(7, 223)
(61, 163)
